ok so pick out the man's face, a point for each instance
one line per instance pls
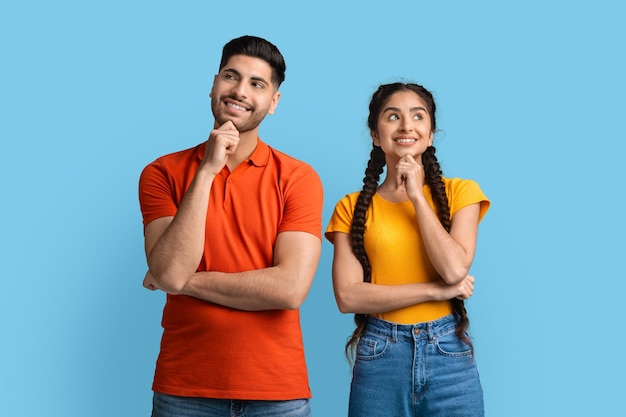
(243, 93)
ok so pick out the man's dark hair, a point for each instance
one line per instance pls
(258, 48)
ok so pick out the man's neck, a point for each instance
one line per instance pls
(247, 144)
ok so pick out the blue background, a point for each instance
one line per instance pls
(531, 98)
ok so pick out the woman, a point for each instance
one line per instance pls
(402, 254)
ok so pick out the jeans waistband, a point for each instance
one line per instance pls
(428, 329)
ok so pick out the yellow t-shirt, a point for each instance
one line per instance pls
(394, 244)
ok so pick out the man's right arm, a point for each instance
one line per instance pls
(174, 245)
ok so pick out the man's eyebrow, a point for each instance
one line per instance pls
(259, 79)
(237, 73)
(231, 70)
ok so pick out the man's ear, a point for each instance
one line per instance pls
(213, 86)
(274, 103)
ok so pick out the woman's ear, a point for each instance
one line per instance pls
(375, 138)
(430, 139)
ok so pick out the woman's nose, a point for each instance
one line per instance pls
(406, 125)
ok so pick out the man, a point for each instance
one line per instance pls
(233, 236)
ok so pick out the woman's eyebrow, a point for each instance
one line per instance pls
(412, 109)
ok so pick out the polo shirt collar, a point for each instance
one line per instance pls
(261, 154)
(259, 157)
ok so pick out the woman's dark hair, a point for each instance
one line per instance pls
(257, 48)
(375, 165)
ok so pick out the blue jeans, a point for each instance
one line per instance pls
(414, 370)
(164, 405)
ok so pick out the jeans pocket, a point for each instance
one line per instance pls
(449, 344)
(371, 346)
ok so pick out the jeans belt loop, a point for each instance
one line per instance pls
(431, 335)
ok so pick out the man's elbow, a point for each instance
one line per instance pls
(293, 300)
(170, 282)
(294, 297)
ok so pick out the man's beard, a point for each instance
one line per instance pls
(253, 120)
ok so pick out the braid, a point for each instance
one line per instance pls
(370, 184)
(433, 177)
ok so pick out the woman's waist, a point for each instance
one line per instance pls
(432, 328)
(418, 313)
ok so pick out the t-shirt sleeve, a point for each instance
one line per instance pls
(155, 194)
(341, 219)
(303, 204)
(463, 193)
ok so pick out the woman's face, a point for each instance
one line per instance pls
(404, 126)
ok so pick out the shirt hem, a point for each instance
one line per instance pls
(233, 395)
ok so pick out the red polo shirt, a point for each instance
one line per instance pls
(212, 351)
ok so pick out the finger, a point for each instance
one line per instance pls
(228, 125)
(465, 295)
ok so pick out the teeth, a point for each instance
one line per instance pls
(236, 107)
(405, 140)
